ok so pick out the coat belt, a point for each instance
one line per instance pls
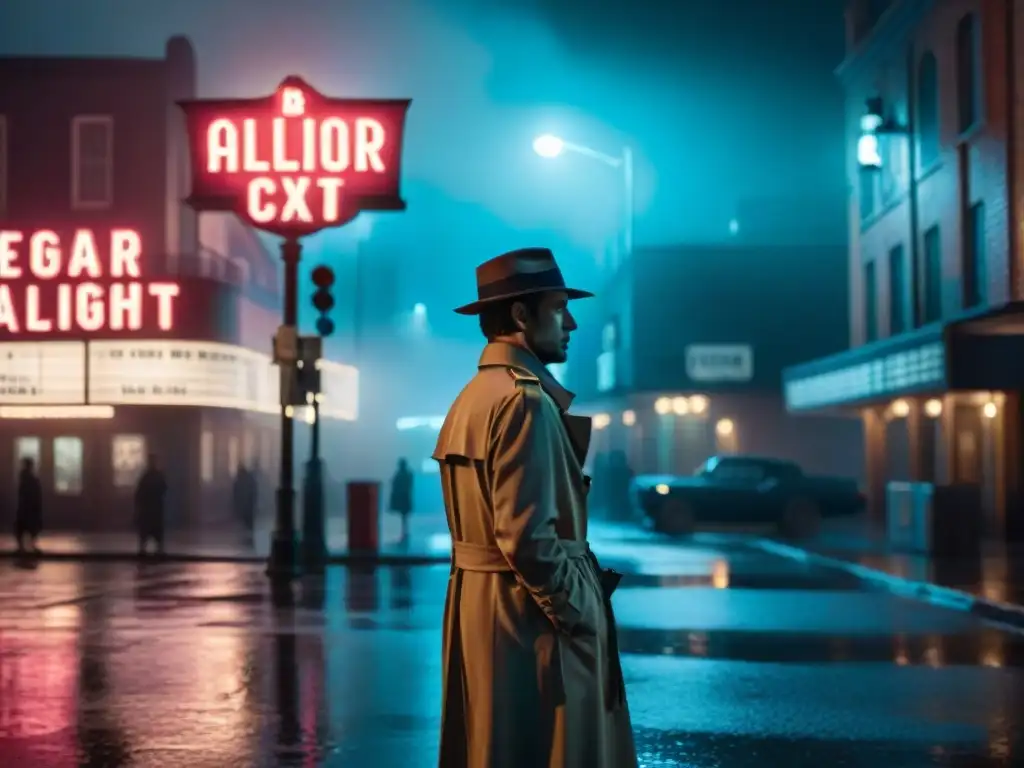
(487, 558)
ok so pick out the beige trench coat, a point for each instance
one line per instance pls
(531, 673)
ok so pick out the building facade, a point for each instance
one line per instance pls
(934, 368)
(128, 324)
(680, 357)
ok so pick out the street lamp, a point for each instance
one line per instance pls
(550, 146)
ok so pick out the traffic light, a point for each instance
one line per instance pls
(323, 299)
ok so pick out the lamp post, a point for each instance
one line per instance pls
(550, 146)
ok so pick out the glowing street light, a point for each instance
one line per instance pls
(550, 146)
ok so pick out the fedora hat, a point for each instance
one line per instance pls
(518, 273)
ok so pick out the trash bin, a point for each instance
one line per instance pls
(899, 515)
(934, 519)
(363, 505)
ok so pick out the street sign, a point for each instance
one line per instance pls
(720, 362)
(311, 349)
(286, 345)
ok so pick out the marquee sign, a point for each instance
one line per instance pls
(42, 373)
(296, 162)
(181, 373)
(80, 282)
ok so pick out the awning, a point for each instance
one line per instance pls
(982, 350)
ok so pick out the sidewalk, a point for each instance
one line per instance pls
(426, 544)
(990, 584)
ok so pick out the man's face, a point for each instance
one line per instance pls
(547, 331)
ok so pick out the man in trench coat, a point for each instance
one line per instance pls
(531, 664)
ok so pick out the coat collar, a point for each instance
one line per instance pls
(501, 353)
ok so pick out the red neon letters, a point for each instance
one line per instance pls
(96, 286)
(296, 162)
(301, 153)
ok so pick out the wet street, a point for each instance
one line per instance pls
(733, 659)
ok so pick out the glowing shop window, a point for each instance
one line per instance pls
(233, 455)
(67, 465)
(26, 448)
(249, 448)
(206, 457)
(128, 458)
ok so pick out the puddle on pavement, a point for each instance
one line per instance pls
(681, 750)
(988, 648)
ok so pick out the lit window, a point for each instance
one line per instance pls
(67, 465)
(27, 448)
(249, 448)
(3, 164)
(128, 459)
(232, 455)
(92, 161)
(206, 457)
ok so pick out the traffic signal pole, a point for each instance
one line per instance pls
(281, 565)
(314, 523)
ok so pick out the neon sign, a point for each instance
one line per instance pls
(296, 162)
(82, 283)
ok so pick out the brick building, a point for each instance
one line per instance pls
(935, 364)
(128, 324)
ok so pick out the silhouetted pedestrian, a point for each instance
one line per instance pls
(401, 496)
(28, 516)
(149, 506)
(244, 493)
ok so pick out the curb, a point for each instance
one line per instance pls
(353, 559)
(944, 597)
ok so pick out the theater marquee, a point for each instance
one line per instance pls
(85, 280)
(158, 373)
(296, 162)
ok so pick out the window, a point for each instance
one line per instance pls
(206, 457)
(233, 455)
(27, 448)
(967, 71)
(870, 302)
(975, 268)
(927, 110)
(866, 188)
(894, 166)
(897, 291)
(738, 471)
(92, 161)
(3, 165)
(932, 275)
(128, 459)
(67, 465)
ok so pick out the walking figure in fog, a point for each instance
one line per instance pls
(149, 506)
(401, 496)
(244, 493)
(28, 515)
(530, 651)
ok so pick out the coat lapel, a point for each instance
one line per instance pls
(579, 429)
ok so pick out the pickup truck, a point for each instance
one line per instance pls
(746, 490)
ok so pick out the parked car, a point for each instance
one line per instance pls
(746, 490)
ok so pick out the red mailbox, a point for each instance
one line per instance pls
(363, 497)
